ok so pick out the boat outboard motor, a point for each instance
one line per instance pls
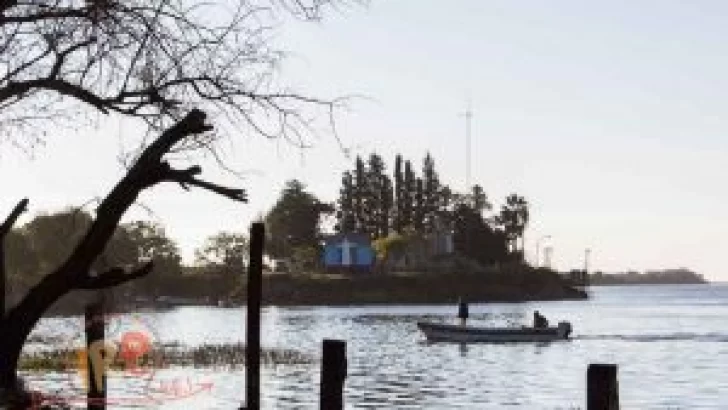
(564, 329)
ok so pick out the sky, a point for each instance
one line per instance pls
(609, 117)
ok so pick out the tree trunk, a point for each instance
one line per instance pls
(8, 363)
(149, 170)
(20, 321)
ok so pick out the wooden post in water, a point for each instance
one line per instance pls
(333, 374)
(95, 356)
(252, 331)
(602, 390)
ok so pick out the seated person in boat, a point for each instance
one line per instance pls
(539, 321)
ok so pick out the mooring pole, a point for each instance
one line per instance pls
(252, 332)
(602, 390)
(333, 374)
(95, 356)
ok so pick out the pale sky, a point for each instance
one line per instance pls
(610, 117)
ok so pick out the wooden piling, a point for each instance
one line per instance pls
(94, 325)
(254, 296)
(333, 374)
(602, 390)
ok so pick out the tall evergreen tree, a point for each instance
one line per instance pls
(360, 193)
(430, 193)
(445, 206)
(408, 195)
(375, 187)
(387, 201)
(513, 217)
(398, 223)
(346, 215)
(479, 200)
(418, 221)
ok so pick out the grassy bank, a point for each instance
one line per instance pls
(319, 289)
(413, 288)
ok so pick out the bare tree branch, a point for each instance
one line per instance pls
(21, 207)
(186, 177)
(5, 228)
(155, 60)
(113, 277)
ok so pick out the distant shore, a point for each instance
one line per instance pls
(680, 276)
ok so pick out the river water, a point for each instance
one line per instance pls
(670, 342)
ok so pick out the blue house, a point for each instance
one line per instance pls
(348, 252)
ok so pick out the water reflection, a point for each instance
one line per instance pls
(463, 349)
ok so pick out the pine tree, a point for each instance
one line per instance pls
(479, 199)
(408, 195)
(346, 215)
(445, 205)
(360, 193)
(374, 201)
(397, 223)
(387, 200)
(431, 192)
(419, 207)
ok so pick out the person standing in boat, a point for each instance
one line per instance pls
(539, 321)
(462, 311)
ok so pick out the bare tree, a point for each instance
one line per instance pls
(176, 65)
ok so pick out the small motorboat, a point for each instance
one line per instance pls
(442, 332)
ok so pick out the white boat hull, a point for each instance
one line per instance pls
(440, 332)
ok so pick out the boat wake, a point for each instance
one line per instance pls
(692, 337)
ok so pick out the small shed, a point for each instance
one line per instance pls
(348, 252)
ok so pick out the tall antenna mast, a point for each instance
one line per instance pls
(468, 126)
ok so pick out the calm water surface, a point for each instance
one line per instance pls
(670, 342)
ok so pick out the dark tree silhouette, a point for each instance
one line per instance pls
(479, 199)
(513, 218)
(397, 222)
(431, 192)
(476, 239)
(418, 215)
(376, 189)
(386, 206)
(408, 195)
(224, 252)
(346, 218)
(163, 62)
(360, 195)
(295, 220)
(5, 228)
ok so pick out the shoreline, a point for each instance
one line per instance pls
(413, 289)
(339, 290)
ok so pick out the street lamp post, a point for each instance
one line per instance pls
(587, 251)
(538, 249)
(547, 255)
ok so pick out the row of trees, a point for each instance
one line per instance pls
(49, 239)
(294, 229)
(406, 203)
(375, 203)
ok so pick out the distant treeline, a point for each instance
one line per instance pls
(667, 276)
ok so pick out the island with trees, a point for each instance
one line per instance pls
(482, 259)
